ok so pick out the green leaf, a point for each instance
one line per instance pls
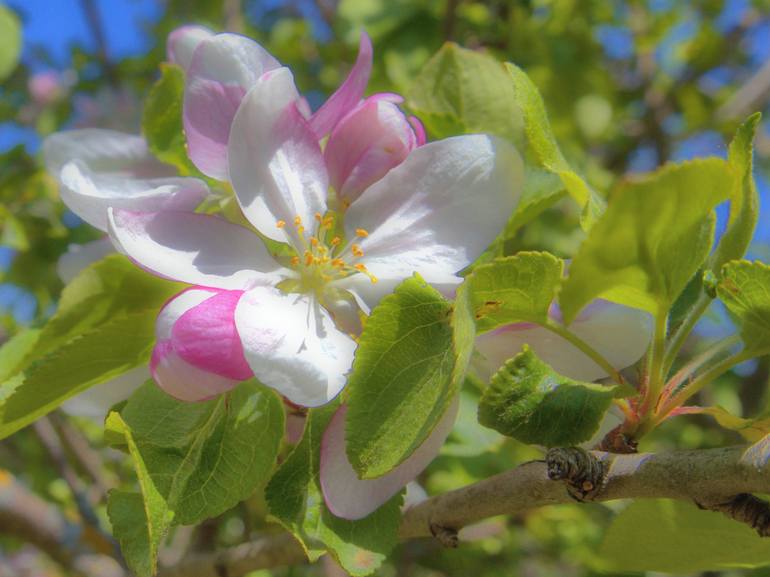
(139, 522)
(207, 457)
(402, 378)
(162, 119)
(656, 233)
(10, 42)
(15, 351)
(744, 200)
(514, 289)
(530, 402)
(461, 91)
(104, 290)
(96, 357)
(543, 143)
(296, 502)
(745, 291)
(676, 537)
(109, 309)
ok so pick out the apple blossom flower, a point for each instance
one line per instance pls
(46, 87)
(434, 213)
(221, 69)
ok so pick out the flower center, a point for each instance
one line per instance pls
(320, 259)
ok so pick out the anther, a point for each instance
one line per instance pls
(297, 220)
(361, 233)
(318, 216)
(308, 258)
(314, 241)
(295, 260)
(336, 240)
(280, 223)
(338, 263)
(356, 250)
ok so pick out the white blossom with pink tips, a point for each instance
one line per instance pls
(434, 213)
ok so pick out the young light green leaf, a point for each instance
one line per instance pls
(514, 289)
(462, 91)
(100, 354)
(10, 42)
(296, 502)
(745, 291)
(162, 120)
(207, 457)
(530, 402)
(654, 236)
(402, 379)
(752, 429)
(744, 200)
(140, 522)
(546, 149)
(676, 537)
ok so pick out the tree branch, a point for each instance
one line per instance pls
(712, 478)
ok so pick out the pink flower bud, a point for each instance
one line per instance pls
(373, 138)
(45, 87)
(198, 353)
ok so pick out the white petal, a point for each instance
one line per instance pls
(293, 346)
(184, 381)
(96, 401)
(183, 41)
(349, 497)
(438, 210)
(621, 334)
(89, 194)
(276, 165)
(194, 248)
(79, 256)
(107, 151)
(223, 69)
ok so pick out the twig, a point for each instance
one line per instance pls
(710, 477)
(24, 515)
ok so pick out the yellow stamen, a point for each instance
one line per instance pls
(297, 220)
(318, 216)
(308, 258)
(295, 260)
(338, 263)
(300, 229)
(280, 223)
(336, 240)
(360, 267)
(361, 233)
(328, 222)
(314, 241)
(356, 250)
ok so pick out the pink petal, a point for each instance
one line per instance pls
(193, 248)
(366, 144)
(348, 94)
(182, 380)
(183, 41)
(352, 498)
(621, 334)
(276, 165)
(222, 70)
(205, 336)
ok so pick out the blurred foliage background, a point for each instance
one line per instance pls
(628, 85)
